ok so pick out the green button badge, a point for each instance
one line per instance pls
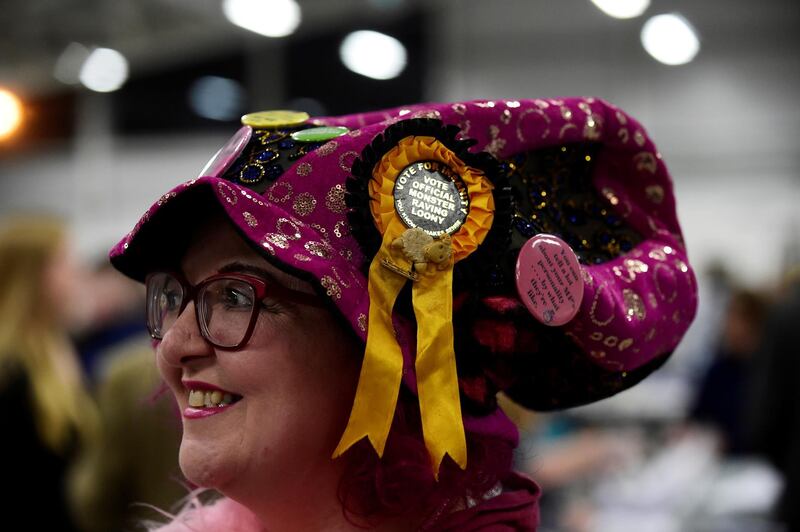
(319, 134)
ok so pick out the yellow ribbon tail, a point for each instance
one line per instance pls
(382, 368)
(437, 379)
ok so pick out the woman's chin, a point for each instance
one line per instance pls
(205, 466)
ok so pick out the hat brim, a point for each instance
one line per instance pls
(159, 240)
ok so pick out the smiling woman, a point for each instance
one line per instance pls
(280, 399)
(336, 357)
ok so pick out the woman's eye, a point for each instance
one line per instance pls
(235, 299)
(170, 300)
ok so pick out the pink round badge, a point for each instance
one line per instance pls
(227, 154)
(549, 279)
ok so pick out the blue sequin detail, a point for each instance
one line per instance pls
(251, 173)
(555, 195)
(267, 156)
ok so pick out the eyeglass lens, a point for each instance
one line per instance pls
(224, 307)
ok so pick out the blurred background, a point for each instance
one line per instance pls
(106, 105)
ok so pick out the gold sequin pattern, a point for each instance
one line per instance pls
(625, 344)
(429, 113)
(277, 240)
(346, 160)
(636, 266)
(268, 246)
(303, 169)
(610, 341)
(496, 143)
(660, 270)
(645, 162)
(565, 128)
(254, 199)
(591, 131)
(304, 204)
(281, 224)
(334, 200)
(341, 229)
(362, 322)
(342, 282)
(535, 112)
(250, 219)
(634, 306)
(227, 192)
(166, 197)
(327, 148)
(331, 287)
(320, 249)
(280, 192)
(593, 309)
(655, 193)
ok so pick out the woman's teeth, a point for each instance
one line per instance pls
(206, 398)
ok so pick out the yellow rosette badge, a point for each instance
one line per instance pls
(432, 210)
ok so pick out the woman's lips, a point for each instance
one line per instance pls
(205, 399)
(194, 413)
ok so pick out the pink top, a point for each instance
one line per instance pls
(516, 508)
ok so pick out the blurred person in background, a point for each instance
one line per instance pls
(722, 392)
(47, 412)
(130, 466)
(116, 318)
(774, 406)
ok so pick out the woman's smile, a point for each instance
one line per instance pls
(204, 399)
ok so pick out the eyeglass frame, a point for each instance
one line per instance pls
(261, 287)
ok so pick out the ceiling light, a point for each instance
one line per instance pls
(622, 8)
(10, 113)
(271, 18)
(373, 54)
(68, 65)
(670, 39)
(105, 70)
(217, 98)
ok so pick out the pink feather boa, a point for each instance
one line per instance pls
(223, 514)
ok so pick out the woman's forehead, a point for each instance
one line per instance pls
(216, 245)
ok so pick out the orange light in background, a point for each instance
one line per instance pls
(10, 114)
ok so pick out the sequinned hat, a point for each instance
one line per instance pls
(538, 240)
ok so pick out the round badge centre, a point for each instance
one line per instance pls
(431, 196)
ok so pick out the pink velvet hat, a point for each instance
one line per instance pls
(525, 246)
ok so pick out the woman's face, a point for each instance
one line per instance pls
(296, 377)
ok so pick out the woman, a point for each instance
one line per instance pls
(48, 412)
(337, 302)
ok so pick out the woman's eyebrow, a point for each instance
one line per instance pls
(293, 284)
(241, 267)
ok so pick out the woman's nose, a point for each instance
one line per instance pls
(183, 342)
